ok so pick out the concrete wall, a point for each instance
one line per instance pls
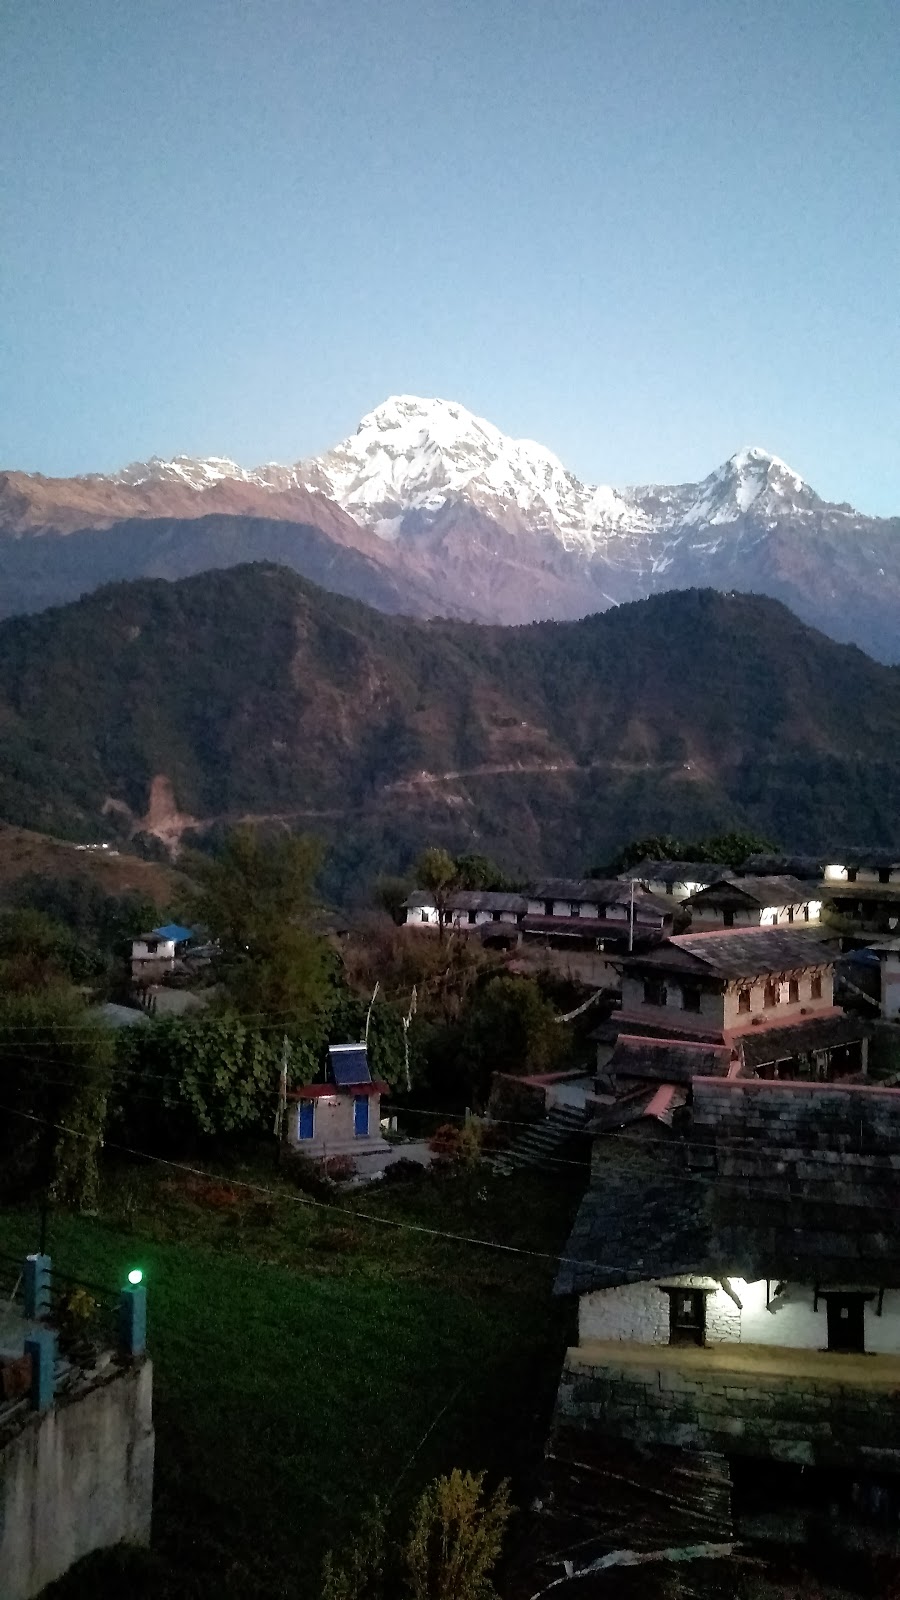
(76, 1479)
(334, 1132)
(639, 1314)
(808, 1420)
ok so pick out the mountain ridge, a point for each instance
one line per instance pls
(455, 518)
(248, 693)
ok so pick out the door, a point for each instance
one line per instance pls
(846, 1322)
(361, 1115)
(687, 1316)
(306, 1121)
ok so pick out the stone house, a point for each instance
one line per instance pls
(753, 902)
(766, 993)
(155, 953)
(738, 1284)
(342, 1116)
(677, 879)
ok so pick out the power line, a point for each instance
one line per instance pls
(309, 1203)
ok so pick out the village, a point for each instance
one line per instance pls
(691, 1159)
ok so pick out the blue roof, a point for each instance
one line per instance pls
(349, 1064)
(173, 930)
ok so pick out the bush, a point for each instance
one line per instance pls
(340, 1168)
(404, 1171)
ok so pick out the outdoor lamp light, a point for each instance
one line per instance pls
(135, 1275)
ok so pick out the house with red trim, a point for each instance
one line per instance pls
(342, 1116)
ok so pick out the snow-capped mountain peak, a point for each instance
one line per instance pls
(754, 479)
(412, 455)
(196, 473)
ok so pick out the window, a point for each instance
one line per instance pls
(690, 997)
(423, 916)
(548, 908)
(851, 874)
(790, 913)
(687, 1316)
(815, 987)
(471, 919)
(771, 996)
(744, 1000)
(654, 992)
(793, 990)
(728, 919)
(361, 1115)
(306, 1119)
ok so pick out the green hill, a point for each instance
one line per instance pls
(250, 692)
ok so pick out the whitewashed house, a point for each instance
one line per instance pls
(739, 1288)
(754, 903)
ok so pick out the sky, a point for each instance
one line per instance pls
(643, 232)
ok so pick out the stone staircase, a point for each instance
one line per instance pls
(543, 1144)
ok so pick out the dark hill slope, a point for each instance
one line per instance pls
(250, 692)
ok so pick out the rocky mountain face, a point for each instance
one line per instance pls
(178, 709)
(460, 520)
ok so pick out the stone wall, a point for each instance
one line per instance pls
(76, 1479)
(735, 1413)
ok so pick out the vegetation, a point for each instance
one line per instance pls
(307, 1360)
(730, 848)
(694, 714)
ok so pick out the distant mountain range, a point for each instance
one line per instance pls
(430, 510)
(177, 709)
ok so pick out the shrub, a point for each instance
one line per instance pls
(455, 1539)
(403, 1171)
(340, 1168)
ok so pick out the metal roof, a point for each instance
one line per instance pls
(173, 930)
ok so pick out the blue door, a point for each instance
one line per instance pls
(361, 1115)
(306, 1122)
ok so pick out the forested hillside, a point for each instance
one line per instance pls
(250, 692)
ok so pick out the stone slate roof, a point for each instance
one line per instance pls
(799, 1182)
(763, 866)
(486, 900)
(740, 952)
(740, 892)
(666, 1060)
(675, 871)
(771, 1044)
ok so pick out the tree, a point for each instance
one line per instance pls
(56, 1073)
(391, 893)
(254, 899)
(475, 871)
(509, 1027)
(436, 871)
(455, 1540)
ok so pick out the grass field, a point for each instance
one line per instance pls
(302, 1355)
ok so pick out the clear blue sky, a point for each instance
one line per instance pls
(644, 232)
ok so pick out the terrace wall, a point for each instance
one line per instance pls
(76, 1478)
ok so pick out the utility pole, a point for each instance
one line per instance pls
(371, 1004)
(282, 1090)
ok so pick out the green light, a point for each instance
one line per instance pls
(135, 1275)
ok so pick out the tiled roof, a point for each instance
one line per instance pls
(799, 1182)
(768, 891)
(796, 866)
(675, 871)
(741, 952)
(760, 1049)
(668, 1060)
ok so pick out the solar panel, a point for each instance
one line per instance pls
(349, 1064)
